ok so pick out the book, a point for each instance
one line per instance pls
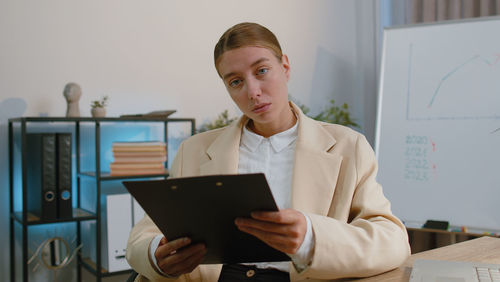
(113, 166)
(146, 146)
(140, 159)
(140, 149)
(139, 154)
(139, 144)
(131, 172)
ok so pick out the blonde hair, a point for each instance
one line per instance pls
(243, 35)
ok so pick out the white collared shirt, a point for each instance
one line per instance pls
(272, 156)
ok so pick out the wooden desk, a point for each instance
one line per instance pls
(484, 249)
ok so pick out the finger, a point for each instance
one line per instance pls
(185, 254)
(268, 237)
(291, 229)
(170, 247)
(163, 241)
(287, 216)
(280, 242)
(197, 261)
(185, 269)
(183, 261)
(192, 262)
(278, 228)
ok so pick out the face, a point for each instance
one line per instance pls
(257, 83)
(72, 92)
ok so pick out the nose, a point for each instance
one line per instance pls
(253, 88)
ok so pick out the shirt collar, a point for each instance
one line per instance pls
(278, 141)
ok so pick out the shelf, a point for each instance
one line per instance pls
(103, 119)
(19, 128)
(90, 266)
(78, 215)
(107, 176)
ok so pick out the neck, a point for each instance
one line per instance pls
(267, 130)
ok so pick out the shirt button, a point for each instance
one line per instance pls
(250, 273)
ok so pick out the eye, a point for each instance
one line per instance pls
(262, 70)
(235, 82)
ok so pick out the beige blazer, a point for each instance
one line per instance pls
(334, 172)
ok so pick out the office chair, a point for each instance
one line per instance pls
(132, 276)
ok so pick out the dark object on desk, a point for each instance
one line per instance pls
(436, 224)
(158, 114)
(204, 208)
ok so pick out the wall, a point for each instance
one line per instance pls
(153, 55)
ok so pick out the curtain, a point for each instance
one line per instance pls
(439, 10)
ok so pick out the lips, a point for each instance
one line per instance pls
(261, 108)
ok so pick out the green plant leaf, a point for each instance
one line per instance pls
(103, 102)
(331, 114)
(221, 121)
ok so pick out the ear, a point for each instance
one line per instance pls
(286, 66)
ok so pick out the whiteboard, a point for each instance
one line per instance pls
(438, 122)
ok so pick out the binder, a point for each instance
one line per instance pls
(41, 177)
(64, 196)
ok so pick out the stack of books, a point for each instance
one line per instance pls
(138, 158)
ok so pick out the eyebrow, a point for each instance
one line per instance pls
(263, 59)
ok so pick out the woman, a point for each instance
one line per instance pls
(333, 221)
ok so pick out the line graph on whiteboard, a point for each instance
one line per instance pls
(460, 87)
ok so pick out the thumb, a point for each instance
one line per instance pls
(163, 241)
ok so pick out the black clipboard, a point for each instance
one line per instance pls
(204, 208)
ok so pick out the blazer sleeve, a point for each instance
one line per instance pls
(370, 242)
(143, 233)
(139, 240)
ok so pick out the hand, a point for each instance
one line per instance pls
(177, 257)
(283, 230)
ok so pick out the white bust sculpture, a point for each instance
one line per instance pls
(72, 92)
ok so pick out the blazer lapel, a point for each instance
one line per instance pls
(315, 170)
(223, 153)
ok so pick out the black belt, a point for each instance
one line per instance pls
(239, 272)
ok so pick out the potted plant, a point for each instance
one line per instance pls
(221, 121)
(98, 107)
(332, 114)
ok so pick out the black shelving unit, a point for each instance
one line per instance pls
(26, 219)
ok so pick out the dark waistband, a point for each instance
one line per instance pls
(240, 272)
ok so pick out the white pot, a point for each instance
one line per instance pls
(98, 112)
